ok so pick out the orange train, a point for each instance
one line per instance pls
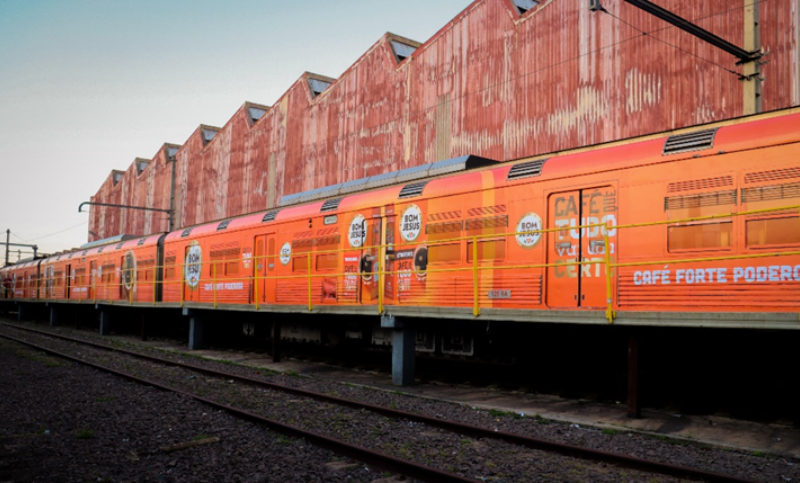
(696, 228)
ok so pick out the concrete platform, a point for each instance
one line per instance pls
(776, 439)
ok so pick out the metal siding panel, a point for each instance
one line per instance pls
(557, 78)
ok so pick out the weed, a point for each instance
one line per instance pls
(760, 454)
(105, 399)
(200, 436)
(465, 442)
(84, 434)
(393, 405)
(292, 374)
(610, 432)
(496, 413)
(540, 419)
(284, 441)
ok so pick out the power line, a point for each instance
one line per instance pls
(60, 231)
(669, 44)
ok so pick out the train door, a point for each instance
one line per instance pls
(264, 268)
(579, 285)
(370, 263)
(92, 278)
(389, 277)
(68, 281)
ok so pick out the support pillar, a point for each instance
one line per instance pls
(276, 341)
(404, 341)
(634, 409)
(195, 331)
(23, 312)
(53, 316)
(105, 321)
(143, 332)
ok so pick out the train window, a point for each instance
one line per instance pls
(705, 236)
(444, 230)
(300, 264)
(271, 255)
(169, 267)
(232, 265)
(703, 204)
(770, 232)
(327, 261)
(447, 253)
(488, 250)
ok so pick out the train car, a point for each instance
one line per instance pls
(703, 222)
(126, 271)
(538, 232)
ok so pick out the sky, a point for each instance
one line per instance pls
(86, 86)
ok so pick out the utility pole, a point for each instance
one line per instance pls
(8, 244)
(752, 70)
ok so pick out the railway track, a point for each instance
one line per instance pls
(345, 446)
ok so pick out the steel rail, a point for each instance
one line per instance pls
(380, 460)
(460, 428)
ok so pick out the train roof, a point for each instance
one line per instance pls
(126, 244)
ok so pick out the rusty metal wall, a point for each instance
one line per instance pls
(491, 82)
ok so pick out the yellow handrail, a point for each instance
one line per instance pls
(308, 268)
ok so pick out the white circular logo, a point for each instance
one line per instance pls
(528, 230)
(411, 223)
(129, 270)
(358, 232)
(286, 253)
(194, 265)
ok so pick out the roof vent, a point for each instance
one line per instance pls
(525, 5)
(412, 190)
(256, 113)
(208, 135)
(331, 205)
(141, 242)
(101, 249)
(119, 245)
(270, 216)
(693, 141)
(526, 170)
(317, 86)
(401, 51)
(223, 225)
(141, 164)
(186, 232)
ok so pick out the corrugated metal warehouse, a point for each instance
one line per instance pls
(498, 81)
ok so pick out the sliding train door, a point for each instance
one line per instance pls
(370, 262)
(572, 286)
(264, 269)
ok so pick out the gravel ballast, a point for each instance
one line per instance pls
(487, 460)
(62, 422)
